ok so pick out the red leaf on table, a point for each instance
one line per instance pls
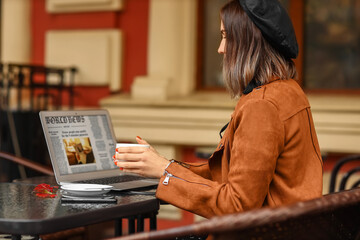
(44, 190)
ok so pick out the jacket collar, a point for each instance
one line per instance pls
(254, 84)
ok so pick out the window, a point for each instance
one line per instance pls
(1, 29)
(329, 41)
(210, 69)
(332, 44)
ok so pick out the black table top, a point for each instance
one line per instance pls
(22, 212)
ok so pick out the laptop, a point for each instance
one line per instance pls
(81, 144)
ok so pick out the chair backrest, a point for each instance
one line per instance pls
(343, 182)
(334, 216)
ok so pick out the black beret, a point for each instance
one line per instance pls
(274, 23)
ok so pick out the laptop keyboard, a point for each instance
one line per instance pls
(115, 179)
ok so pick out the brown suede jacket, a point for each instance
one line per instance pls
(269, 156)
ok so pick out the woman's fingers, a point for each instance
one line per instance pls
(128, 156)
(140, 160)
(131, 149)
(142, 141)
(128, 165)
(131, 167)
(131, 153)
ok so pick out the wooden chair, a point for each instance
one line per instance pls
(344, 179)
(334, 216)
(46, 170)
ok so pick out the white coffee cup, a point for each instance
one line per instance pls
(131, 145)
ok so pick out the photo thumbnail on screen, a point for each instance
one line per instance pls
(79, 151)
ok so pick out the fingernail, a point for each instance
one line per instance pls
(121, 168)
(139, 137)
(114, 157)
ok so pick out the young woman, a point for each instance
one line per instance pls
(269, 153)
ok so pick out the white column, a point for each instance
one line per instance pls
(15, 27)
(172, 51)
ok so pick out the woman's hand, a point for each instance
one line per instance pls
(141, 160)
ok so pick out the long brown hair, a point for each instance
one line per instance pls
(248, 56)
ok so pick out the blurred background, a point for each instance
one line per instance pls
(154, 65)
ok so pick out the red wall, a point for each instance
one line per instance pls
(132, 20)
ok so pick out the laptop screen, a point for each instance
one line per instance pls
(79, 141)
